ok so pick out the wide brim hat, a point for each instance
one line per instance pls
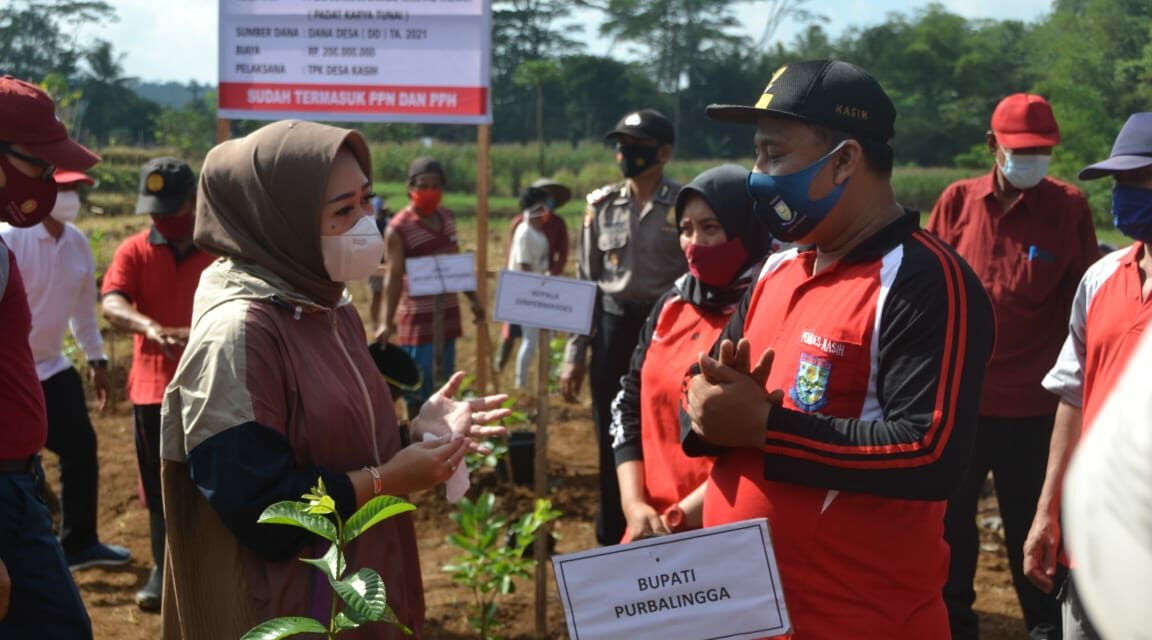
(1132, 149)
(560, 193)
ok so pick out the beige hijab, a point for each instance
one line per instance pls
(261, 196)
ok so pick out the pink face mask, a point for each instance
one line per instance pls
(718, 264)
(24, 201)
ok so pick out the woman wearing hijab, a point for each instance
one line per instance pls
(661, 489)
(276, 390)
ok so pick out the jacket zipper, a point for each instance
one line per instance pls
(363, 388)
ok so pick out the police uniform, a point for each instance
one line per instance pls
(632, 251)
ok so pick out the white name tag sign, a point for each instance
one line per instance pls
(448, 273)
(706, 584)
(548, 302)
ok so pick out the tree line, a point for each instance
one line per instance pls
(1091, 58)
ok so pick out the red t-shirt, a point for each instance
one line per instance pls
(1029, 259)
(23, 421)
(1117, 317)
(147, 271)
(881, 357)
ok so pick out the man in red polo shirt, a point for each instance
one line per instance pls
(148, 290)
(38, 598)
(1109, 315)
(1029, 238)
(853, 437)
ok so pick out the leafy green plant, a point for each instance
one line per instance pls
(488, 565)
(362, 592)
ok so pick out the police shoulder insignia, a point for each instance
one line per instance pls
(601, 194)
(810, 388)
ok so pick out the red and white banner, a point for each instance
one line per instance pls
(361, 60)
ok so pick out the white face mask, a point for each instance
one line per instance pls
(356, 254)
(1024, 171)
(67, 206)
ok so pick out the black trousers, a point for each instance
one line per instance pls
(612, 346)
(147, 422)
(72, 438)
(1015, 450)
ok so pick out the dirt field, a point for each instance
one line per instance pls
(109, 593)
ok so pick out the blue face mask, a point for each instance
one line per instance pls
(1132, 212)
(783, 202)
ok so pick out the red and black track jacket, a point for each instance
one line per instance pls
(881, 357)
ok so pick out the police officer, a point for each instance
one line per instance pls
(629, 246)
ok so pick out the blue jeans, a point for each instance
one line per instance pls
(423, 355)
(45, 603)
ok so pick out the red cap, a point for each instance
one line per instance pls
(67, 176)
(1025, 120)
(28, 118)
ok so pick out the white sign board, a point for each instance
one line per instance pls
(547, 302)
(720, 582)
(448, 273)
(359, 60)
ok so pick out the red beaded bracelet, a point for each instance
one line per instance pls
(377, 483)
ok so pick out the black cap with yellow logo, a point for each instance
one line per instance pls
(835, 94)
(165, 185)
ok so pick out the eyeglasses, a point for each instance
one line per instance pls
(47, 169)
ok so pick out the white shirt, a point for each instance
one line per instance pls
(529, 246)
(60, 277)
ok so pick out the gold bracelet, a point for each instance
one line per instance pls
(377, 483)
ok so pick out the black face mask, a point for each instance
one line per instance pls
(636, 159)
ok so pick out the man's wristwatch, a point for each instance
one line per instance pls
(675, 519)
(101, 363)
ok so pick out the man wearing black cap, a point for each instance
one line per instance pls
(148, 290)
(856, 422)
(1110, 313)
(38, 598)
(630, 246)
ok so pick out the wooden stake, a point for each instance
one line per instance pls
(543, 361)
(483, 355)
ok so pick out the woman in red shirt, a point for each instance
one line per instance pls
(661, 489)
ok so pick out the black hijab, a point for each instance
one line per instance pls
(725, 190)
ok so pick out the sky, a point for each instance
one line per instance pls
(163, 40)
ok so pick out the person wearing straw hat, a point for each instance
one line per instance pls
(556, 233)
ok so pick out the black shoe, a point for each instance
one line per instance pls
(107, 555)
(148, 597)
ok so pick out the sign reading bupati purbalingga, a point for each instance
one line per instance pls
(720, 582)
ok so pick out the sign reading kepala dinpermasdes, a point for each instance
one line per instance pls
(720, 582)
(360, 60)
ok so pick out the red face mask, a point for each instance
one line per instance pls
(426, 200)
(174, 228)
(716, 265)
(24, 201)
